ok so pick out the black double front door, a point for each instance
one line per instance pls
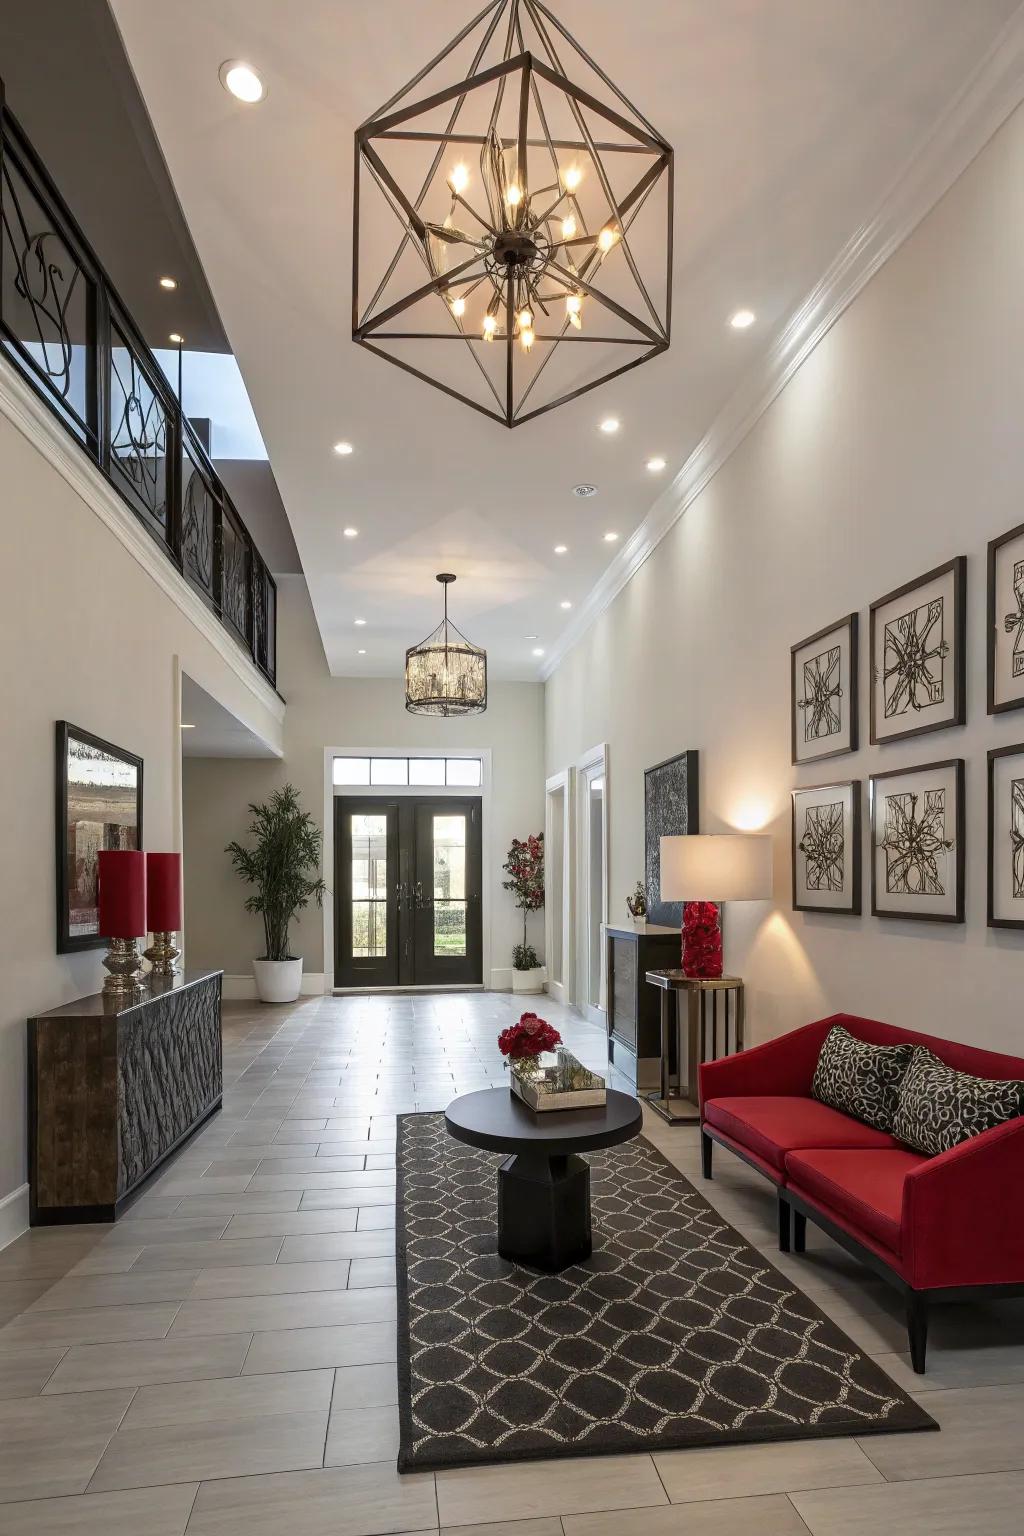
(407, 892)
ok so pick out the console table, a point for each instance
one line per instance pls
(680, 1107)
(114, 1088)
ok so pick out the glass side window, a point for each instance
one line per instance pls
(449, 885)
(369, 886)
(463, 772)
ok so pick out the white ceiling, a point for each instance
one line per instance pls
(790, 121)
(210, 730)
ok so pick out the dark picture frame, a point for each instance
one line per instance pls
(848, 689)
(66, 736)
(956, 765)
(852, 838)
(994, 756)
(957, 569)
(671, 809)
(996, 619)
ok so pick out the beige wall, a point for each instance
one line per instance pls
(86, 635)
(350, 713)
(896, 446)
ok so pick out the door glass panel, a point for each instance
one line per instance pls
(369, 886)
(449, 885)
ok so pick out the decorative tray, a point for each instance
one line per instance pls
(561, 1082)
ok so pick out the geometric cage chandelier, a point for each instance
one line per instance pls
(512, 227)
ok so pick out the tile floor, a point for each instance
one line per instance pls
(222, 1362)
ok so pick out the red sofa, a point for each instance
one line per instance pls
(946, 1228)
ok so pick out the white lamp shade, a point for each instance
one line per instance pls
(713, 867)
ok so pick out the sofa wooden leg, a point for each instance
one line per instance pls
(784, 1224)
(799, 1232)
(707, 1146)
(917, 1329)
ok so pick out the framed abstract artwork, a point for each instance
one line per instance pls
(917, 842)
(823, 693)
(1006, 622)
(1006, 837)
(671, 809)
(918, 655)
(99, 805)
(826, 848)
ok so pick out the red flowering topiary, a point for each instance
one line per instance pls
(524, 866)
(528, 1038)
(702, 940)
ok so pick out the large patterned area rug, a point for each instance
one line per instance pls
(674, 1333)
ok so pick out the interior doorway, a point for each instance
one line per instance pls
(591, 883)
(407, 891)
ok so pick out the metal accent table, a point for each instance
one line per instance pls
(544, 1186)
(679, 1107)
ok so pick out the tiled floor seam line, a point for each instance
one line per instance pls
(191, 1509)
(932, 1477)
(109, 1438)
(799, 1516)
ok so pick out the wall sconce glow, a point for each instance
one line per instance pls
(351, 533)
(742, 319)
(610, 425)
(751, 815)
(343, 450)
(242, 81)
(169, 283)
(655, 465)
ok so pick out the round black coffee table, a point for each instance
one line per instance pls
(544, 1186)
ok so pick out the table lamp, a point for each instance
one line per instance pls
(702, 870)
(163, 902)
(122, 918)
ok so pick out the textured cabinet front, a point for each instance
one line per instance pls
(633, 1015)
(623, 989)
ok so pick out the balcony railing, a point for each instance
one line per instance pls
(65, 328)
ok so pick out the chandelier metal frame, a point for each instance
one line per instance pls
(518, 250)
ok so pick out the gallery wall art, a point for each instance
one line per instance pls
(827, 848)
(99, 805)
(918, 655)
(1006, 837)
(917, 842)
(1006, 622)
(671, 809)
(823, 693)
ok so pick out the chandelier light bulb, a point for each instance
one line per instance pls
(490, 326)
(513, 196)
(458, 307)
(569, 227)
(527, 337)
(572, 178)
(525, 318)
(607, 238)
(458, 178)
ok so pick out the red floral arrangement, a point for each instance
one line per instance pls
(528, 1038)
(702, 940)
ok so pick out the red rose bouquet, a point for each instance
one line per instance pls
(522, 1043)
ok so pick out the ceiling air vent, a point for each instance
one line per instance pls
(584, 490)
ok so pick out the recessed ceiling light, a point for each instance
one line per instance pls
(561, 549)
(360, 622)
(360, 653)
(242, 80)
(343, 449)
(742, 318)
(177, 340)
(351, 533)
(610, 424)
(169, 283)
(610, 538)
(185, 727)
(538, 650)
(655, 465)
(530, 637)
(566, 604)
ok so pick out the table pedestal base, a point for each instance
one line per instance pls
(544, 1211)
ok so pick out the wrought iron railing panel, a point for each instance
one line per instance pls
(65, 329)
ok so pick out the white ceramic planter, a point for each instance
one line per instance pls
(528, 981)
(278, 981)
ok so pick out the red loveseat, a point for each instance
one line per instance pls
(945, 1228)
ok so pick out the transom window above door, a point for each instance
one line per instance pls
(420, 772)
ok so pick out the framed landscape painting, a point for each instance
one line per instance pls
(99, 805)
(918, 655)
(823, 693)
(917, 842)
(826, 848)
(671, 809)
(1006, 622)
(1006, 837)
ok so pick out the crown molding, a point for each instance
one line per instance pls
(976, 112)
(34, 420)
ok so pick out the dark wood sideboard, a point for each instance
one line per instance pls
(634, 1021)
(114, 1088)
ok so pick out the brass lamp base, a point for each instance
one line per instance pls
(162, 954)
(124, 963)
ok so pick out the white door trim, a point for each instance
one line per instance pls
(563, 990)
(595, 757)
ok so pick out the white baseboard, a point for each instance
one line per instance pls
(241, 988)
(13, 1215)
(501, 979)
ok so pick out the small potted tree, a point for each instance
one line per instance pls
(283, 866)
(524, 866)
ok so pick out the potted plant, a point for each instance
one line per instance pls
(282, 866)
(524, 866)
